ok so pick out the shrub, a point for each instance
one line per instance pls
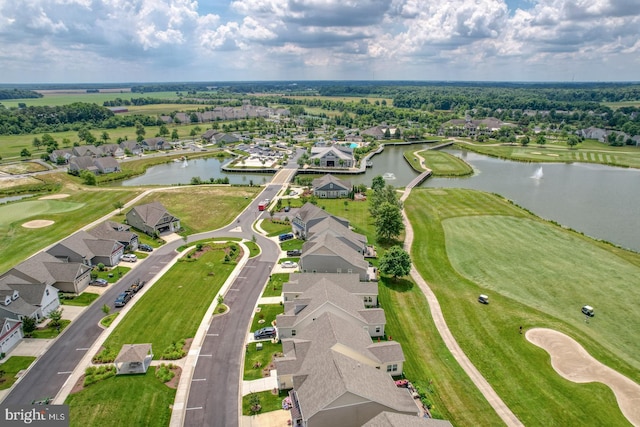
(174, 351)
(107, 355)
(165, 372)
(94, 374)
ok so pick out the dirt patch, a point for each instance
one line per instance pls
(38, 223)
(78, 386)
(54, 196)
(173, 382)
(571, 361)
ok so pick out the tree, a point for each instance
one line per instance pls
(118, 205)
(387, 194)
(88, 177)
(395, 262)
(28, 325)
(140, 131)
(163, 131)
(55, 317)
(106, 309)
(378, 183)
(541, 140)
(105, 137)
(25, 153)
(36, 142)
(388, 222)
(524, 141)
(174, 135)
(572, 141)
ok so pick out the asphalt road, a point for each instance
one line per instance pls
(213, 397)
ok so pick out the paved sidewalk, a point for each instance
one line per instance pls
(262, 384)
(278, 418)
(270, 300)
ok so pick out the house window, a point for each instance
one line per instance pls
(293, 332)
(392, 368)
(349, 271)
(47, 292)
(339, 270)
(378, 329)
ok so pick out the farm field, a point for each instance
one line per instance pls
(541, 277)
(55, 98)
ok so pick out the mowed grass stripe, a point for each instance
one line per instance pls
(520, 372)
(557, 272)
(173, 308)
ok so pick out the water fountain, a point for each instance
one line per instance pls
(537, 174)
(389, 176)
(185, 163)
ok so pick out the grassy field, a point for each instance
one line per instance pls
(131, 400)
(202, 207)
(274, 287)
(537, 275)
(84, 204)
(589, 151)
(57, 99)
(11, 367)
(268, 401)
(255, 361)
(268, 313)
(444, 164)
(187, 288)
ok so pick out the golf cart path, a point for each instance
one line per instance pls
(454, 348)
(572, 362)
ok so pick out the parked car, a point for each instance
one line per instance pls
(129, 258)
(122, 299)
(483, 299)
(588, 310)
(99, 282)
(289, 264)
(294, 252)
(137, 285)
(145, 248)
(285, 236)
(265, 333)
(287, 208)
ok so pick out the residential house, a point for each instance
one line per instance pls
(10, 333)
(61, 156)
(152, 218)
(307, 216)
(213, 136)
(42, 296)
(113, 150)
(382, 131)
(106, 165)
(330, 187)
(472, 128)
(82, 247)
(335, 156)
(45, 268)
(330, 225)
(326, 297)
(301, 282)
(154, 144)
(394, 419)
(14, 307)
(132, 147)
(332, 332)
(86, 151)
(328, 254)
(110, 230)
(77, 164)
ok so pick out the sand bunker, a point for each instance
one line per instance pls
(54, 196)
(37, 223)
(573, 362)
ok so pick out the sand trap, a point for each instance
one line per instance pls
(553, 155)
(38, 223)
(54, 196)
(573, 362)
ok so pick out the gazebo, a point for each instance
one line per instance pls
(134, 359)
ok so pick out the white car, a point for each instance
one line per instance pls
(129, 258)
(289, 264)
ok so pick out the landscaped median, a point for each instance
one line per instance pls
(167, 316)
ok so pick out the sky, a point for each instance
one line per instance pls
(112, 41)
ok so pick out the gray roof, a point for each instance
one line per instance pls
(393, 419)
(329, 245)
(150, 213)
(89, 246)
(133, 353)
(31, 293)
(330, 179)
(326, 376)
(300, 282)
(107, 163)
(310, 211)
(325, 293)
(320, 152)
(337, 229)
(106, 230)
(387, 351)
(83, 162)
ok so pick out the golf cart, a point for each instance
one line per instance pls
(588, 311)
(483, 299)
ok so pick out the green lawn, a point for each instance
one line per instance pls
(84, 299)
(268, 313)
(114, 274)
(445, 164)
(256, 361)
(106, 321)
(254, 249)
(268, 401)
(11, 367)
(537, 275)
(127, 400)
(274, 287)
(275, 228)
(82, 207)
(288, 245)
(173, 308)
(49, 331)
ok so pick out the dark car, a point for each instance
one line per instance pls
(285, 236)
(122, 299)
(265, 333)
(99, 282)
(287, 208)
(294, 252)
(145, 248)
